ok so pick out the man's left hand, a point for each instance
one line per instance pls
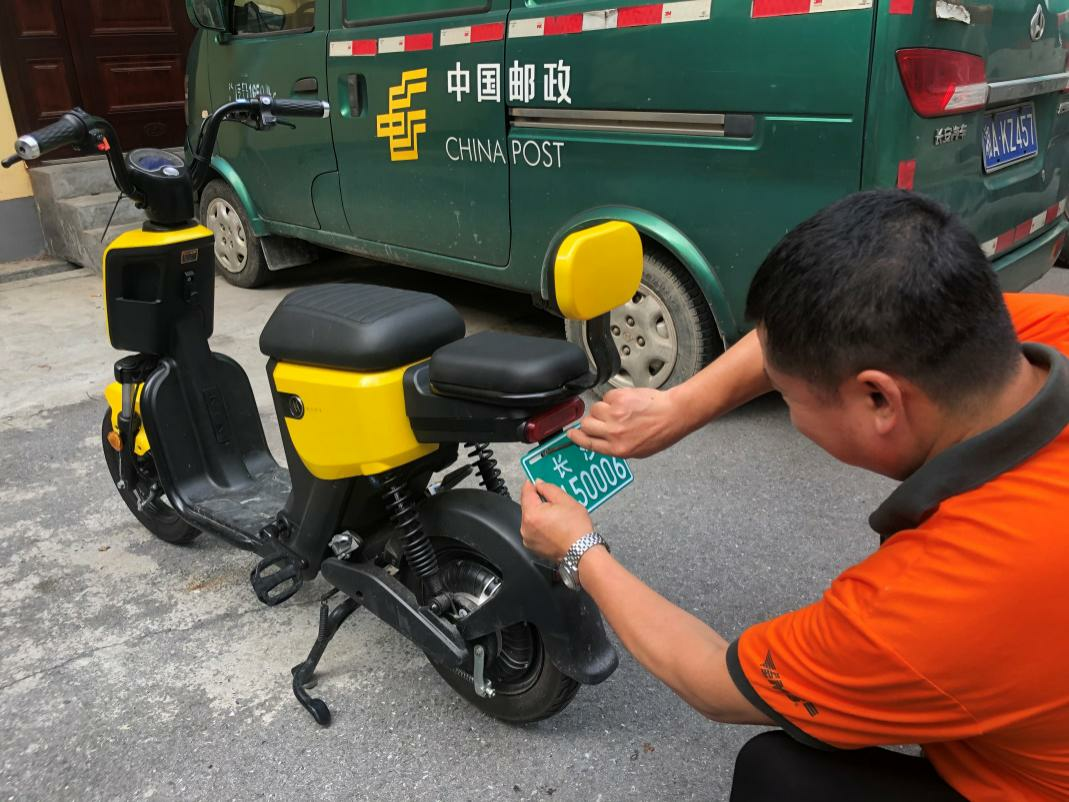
(549, 527)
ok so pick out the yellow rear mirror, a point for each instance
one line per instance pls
(597, 269)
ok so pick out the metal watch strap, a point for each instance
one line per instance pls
(581, 547)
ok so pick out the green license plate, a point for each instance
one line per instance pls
(588, 477)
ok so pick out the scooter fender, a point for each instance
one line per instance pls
(570, 623)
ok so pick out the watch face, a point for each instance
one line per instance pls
(569, 576)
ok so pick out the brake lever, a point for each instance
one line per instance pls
(267, 119)
(11, 160)
(260, 122)
(252, 121)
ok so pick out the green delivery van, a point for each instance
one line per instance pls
(469, 137)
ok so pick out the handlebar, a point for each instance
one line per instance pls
(262, 111)
(86, 132)
(70, 129)
(295, 107)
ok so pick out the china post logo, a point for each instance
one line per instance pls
(402, 124)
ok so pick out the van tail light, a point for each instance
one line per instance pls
(942, 82)
(541, 426)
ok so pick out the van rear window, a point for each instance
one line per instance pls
(369, 12)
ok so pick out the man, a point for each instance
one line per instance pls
(881, 323)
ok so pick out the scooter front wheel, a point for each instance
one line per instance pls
(156, 515)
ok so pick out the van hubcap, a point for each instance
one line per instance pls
(645, 336)
(231, 247)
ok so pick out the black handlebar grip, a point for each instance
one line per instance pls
(67, 130)
(296, 107)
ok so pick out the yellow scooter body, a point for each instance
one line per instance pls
(350, 423)
(149, 278)
(146, 275)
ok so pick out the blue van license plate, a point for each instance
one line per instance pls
(1009, 136)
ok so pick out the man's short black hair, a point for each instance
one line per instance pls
(891, 281)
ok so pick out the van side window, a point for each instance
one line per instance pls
(364, 12)
(251, 18)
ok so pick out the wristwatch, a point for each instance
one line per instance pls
(569, 565)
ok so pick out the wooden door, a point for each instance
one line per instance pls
(39, 71)
(131, 61)
(120, 59)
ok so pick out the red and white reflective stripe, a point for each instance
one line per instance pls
(605, 19)
(387, 44)
(784, 8)
(610, 18)
(406, 44)
(355, 47)
(1006, 239)
(472, 34)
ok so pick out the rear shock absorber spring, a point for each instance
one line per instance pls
(489, 474)
(419, 553)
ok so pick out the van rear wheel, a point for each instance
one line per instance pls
(239, 258)
(665, 333)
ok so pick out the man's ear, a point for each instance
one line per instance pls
(882, 395)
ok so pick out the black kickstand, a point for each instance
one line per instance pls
(330, 622)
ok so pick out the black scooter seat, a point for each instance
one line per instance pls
(360, 327)
(509, 368)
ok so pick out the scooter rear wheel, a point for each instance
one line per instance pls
(157, 516)
(527, 686)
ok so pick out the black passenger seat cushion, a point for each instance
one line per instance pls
(359, 327)
(507, 364)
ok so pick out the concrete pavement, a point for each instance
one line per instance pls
(132, 669)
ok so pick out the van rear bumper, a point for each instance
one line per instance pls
(1024, 265)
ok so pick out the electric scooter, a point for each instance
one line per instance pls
(384, 408)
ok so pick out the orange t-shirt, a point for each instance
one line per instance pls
(955, 633)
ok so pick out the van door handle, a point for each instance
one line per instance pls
(356, 86)
(305, 85)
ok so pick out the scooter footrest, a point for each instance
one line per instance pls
(276, 578)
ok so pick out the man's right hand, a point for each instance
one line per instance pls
(638, 422)
(631, 422)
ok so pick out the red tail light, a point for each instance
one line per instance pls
(552, 421)
(942, 82)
